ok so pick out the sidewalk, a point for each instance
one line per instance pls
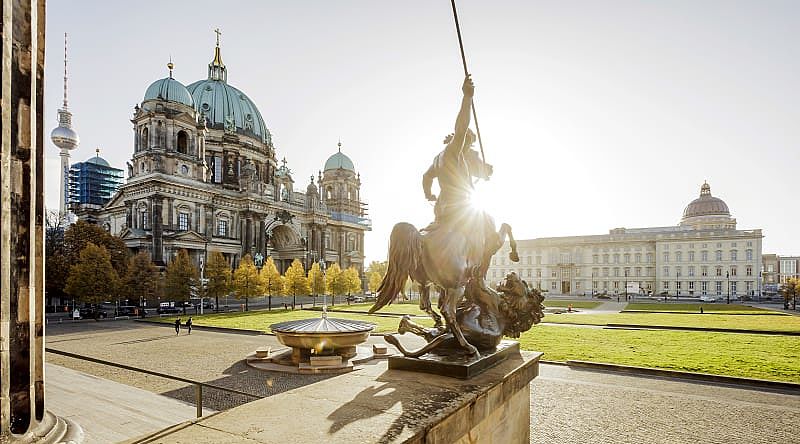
(108, 411)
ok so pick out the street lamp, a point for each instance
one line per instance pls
(728, 277)
(677, 283)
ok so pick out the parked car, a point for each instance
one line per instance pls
(127, 310)
(90, 312)
(166, 309)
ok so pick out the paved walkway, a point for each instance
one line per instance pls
(108, 411)
(580, 406)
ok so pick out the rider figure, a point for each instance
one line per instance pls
(455, 166)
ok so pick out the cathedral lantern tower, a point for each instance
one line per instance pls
(340, 192)
(340, 185)
(66, 139)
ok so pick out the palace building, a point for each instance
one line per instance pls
(204, 177)
(704, 255)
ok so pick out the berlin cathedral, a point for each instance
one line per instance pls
(204, 177)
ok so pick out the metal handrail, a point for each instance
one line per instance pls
(198, 386)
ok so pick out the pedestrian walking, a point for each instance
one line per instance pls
(177, 326)
(189, 324)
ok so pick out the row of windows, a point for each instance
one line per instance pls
(718, 245)
(732, 271)
(733, 255)
(690, 286)
(636, 258)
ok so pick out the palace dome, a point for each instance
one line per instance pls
(169, 89)
(225, 107)
(706, 205)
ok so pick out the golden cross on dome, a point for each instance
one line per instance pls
(217, 31)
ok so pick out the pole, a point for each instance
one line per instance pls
(728, 277)
(466, 73)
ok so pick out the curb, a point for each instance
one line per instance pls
(711, 329)
(705, 377)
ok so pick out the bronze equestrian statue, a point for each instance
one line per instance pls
(453, 253)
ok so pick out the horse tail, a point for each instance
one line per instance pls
(437, 341)
(405, 250)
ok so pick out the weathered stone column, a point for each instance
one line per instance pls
(23, 417)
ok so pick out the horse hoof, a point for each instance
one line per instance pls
(472, 351)
(513, 256)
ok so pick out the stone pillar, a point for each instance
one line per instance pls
(23, 417)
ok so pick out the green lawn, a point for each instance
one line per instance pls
(732, 354)
(575, 304)
(750, 322)
(261, 320)
(695, 308)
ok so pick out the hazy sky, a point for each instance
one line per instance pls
(595, 114)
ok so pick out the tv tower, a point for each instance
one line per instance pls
(65, 138)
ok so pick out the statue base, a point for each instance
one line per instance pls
(453, 362)
(51, 430)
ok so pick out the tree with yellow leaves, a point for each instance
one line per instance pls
(296, 281)
(271, 278)
(353, 281)
(336, 282)
(246, 281)
(374, 281)
(316, 280)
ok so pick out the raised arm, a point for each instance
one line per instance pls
(462, 121)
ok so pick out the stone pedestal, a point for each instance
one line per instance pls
(23, 418)
(379, 405)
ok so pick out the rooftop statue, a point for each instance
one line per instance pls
(452, 254)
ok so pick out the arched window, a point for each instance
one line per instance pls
(183, 142)
(145, 143)
(328, 193)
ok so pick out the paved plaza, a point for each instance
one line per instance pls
(567, 405)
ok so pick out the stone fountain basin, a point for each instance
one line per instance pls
(322, 336)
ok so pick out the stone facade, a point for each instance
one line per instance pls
(703, 256)
(204, 177)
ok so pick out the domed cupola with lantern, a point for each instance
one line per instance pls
(169, 135)
(707, 212)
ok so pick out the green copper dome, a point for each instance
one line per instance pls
(226, 107)
(169, 89)
(339, 160)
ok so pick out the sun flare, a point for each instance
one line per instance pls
(480, 198)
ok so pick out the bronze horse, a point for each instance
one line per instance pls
(449, 258)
